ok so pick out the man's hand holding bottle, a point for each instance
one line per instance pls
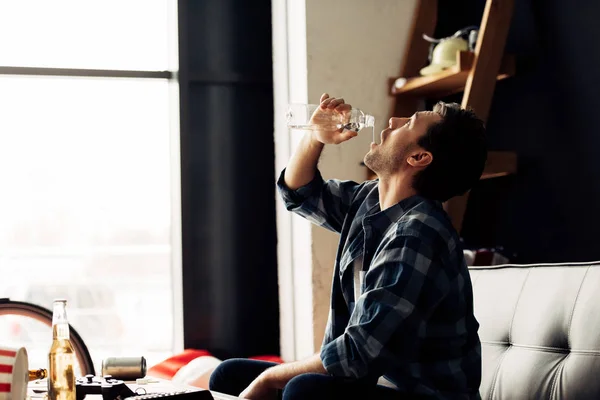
(331, 113)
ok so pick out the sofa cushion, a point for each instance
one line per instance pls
(539, 329)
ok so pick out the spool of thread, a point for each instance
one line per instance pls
(124, 368)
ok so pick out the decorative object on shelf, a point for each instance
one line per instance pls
(470, 33)
(442, 52)
(400, 82)
(444, 55)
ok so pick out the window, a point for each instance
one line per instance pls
(111, 34)
(86, 171)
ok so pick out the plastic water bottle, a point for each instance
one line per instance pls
(310, 117)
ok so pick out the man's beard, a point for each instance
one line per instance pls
(383, 163)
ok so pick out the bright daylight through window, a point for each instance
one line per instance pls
(86, 167)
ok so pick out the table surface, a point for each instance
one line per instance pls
(156, 386)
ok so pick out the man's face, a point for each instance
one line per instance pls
(399, 142)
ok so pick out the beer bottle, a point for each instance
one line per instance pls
(35, 374)
(61, 379)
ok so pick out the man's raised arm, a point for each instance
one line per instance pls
(304, 191)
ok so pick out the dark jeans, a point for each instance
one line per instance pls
(233, 376)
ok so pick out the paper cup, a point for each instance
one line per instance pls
(14, 373)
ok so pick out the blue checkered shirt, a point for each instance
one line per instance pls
(413, 319)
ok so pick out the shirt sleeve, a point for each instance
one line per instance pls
(324, 203)
(402, 288)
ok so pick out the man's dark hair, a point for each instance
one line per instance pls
(458, 146)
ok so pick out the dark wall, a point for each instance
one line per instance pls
(227, 166)
(548, 114)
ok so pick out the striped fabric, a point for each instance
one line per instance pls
(413, 319)
(7, 360)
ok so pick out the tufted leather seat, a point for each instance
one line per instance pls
(539, 330)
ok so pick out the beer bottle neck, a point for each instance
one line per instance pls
(60, 325)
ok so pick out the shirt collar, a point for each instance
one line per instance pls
(381, 220)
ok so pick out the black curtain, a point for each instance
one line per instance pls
(227, 171)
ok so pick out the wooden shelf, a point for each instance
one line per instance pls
(500, 163)
(449, 81)
(491, 175)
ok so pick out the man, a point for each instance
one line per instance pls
(402, 301)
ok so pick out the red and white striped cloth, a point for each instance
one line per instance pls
(7, 362)
(13, 374)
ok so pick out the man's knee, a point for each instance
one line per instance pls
(222, 376)
(308, 386)
(234, 375)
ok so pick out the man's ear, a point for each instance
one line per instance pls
(420, 159)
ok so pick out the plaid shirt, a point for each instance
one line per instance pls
(413, 320)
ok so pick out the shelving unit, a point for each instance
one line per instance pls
(450, 81)
(475, 74)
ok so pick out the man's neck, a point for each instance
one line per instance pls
(394, 189)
